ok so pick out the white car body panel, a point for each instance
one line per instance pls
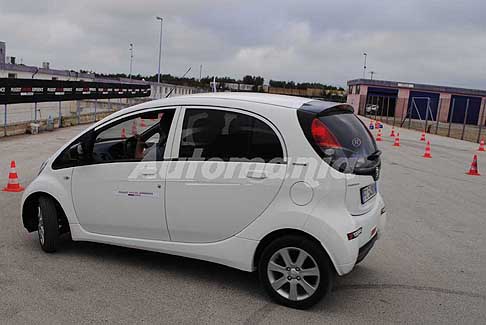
(107, 202)
(234, 252)
(210, 210)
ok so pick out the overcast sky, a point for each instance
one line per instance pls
(427, 41)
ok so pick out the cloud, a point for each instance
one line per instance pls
(421, 41)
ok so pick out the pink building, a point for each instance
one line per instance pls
(420, 101)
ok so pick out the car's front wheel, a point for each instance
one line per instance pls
(48, 225)
(295, 271)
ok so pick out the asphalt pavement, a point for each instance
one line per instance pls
(429, 267)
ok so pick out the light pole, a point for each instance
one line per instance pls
(131, 61)
(364, 66)
(372, 73)
(160, 46)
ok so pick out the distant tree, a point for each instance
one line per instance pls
(256, 81)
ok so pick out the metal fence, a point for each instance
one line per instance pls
(404, 113)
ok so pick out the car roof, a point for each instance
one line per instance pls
(263, 98)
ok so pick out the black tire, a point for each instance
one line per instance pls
(294, 245)
(48, 219)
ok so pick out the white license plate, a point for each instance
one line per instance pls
(368, 192)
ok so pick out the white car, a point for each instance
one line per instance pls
(371, 108)
(286, 186)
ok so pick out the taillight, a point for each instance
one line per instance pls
(323, 136)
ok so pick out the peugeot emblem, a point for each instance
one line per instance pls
(356, 142)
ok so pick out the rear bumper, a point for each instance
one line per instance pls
(372, 225)
(332, 227)
(363, 251)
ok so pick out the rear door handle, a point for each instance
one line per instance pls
(256, 174)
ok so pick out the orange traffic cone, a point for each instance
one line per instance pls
(423, 137)
(378, 137)
(134, 127)
(397, 140)
(481, 145)
(142, 123)
(13, 180)
(427, 151)
(392, 134)
(473, 171)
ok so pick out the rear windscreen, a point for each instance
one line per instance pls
(355, 139)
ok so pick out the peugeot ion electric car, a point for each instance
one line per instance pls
(286, 186)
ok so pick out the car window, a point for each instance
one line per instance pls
(227, 135)
(139, 138)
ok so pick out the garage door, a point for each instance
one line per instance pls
(459, 111)
(384, 99)
(418, 102)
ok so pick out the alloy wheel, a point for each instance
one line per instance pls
(293, 273)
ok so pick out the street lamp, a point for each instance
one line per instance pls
(160, 46)
(131, 61)
(372, 73)
(364, 66)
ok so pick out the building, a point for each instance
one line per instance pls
(306, 92)
(2, 52)
(232, 86)
(163, 89)
(418, 101)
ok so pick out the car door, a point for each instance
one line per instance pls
(120, 191)
(230, 166)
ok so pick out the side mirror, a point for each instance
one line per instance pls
(77, 153)
(80, 150)
(85, 147)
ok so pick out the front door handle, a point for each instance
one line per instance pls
(149, 172)
(256, 174)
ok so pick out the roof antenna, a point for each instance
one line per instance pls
(170, 92)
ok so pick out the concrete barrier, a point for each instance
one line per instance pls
(66, 121)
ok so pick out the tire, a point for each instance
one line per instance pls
(298, 268)
(48, 225)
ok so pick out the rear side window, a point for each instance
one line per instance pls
(227, 135)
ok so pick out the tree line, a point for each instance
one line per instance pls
(256, 81)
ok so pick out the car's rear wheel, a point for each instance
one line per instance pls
(48, 225)
(295, 271)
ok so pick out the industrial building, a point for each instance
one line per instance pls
(402, 100)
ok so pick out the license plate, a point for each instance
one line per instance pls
(368, 192)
